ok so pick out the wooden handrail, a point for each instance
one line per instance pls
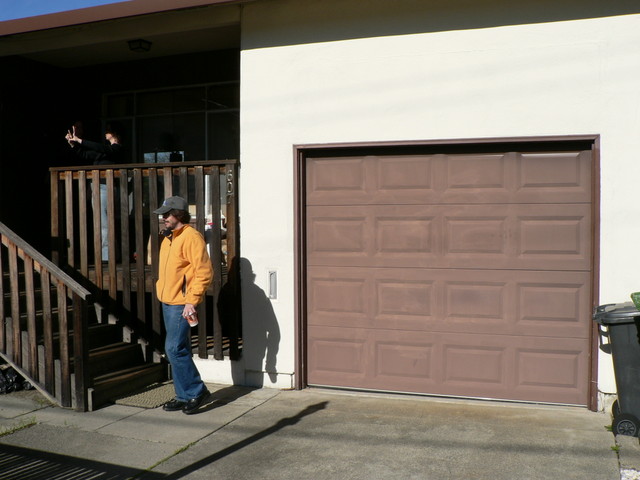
(145, 166)
(18, 284)
(41, 262)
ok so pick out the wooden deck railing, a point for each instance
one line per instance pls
(43, 321)
(124, 284)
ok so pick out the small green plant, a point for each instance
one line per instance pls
(24, 423)
(609, 428)
(615, 448)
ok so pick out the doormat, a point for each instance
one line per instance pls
(150, 397)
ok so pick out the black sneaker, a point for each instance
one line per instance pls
(173, 405)
(192, 405)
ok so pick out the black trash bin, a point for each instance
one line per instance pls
(622, 322)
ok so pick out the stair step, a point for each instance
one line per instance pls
(39, 313)
(22, 299)
(99, 334)
(111, 386)
(104, 334)
(114, 356)
(39, 322)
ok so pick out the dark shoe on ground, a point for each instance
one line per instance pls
(192, 405)
(173, 405)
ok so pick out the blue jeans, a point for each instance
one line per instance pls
(177, 346)
(104, 225)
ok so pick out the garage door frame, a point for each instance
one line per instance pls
(549, 143)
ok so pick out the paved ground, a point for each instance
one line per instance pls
(266, 434)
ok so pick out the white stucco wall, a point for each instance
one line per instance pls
(565, 77)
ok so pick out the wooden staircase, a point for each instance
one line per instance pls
(119, 368)
(38, 337)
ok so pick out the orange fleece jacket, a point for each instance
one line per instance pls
(185, 269)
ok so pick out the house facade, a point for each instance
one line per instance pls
(433, 195)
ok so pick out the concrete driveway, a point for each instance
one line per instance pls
(265, 434)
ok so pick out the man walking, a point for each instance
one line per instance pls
(184, 274)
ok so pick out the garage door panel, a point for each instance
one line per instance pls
(401, 179)
(474, 367)
(521, 368)
(560, 177)
(475, 235)
(338, 236)
(338, 355)
(370, 180)
(552, 368)
(396, 298)
(390, 360)
(514, 302)
(497, 302)
(555, 237)
(405, 302)
(341, 296)
(337, 180)
(534, 369)
(372, 236)
(553, 306)
(554, 177)
(405, 362)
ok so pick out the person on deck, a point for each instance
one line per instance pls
(96, 153)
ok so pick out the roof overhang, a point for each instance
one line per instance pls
(100, 35)
(111, 11)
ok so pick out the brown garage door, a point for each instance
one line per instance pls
(464, 274)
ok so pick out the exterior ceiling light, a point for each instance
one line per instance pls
(139, 45)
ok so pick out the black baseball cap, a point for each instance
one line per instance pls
(172, 203)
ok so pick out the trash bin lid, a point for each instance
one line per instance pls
(616, 313)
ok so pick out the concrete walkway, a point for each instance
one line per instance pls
(265, 434)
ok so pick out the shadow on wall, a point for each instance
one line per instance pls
(261, 332)
(332, 20)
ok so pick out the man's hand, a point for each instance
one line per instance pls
(72, 137)
(189, 309)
